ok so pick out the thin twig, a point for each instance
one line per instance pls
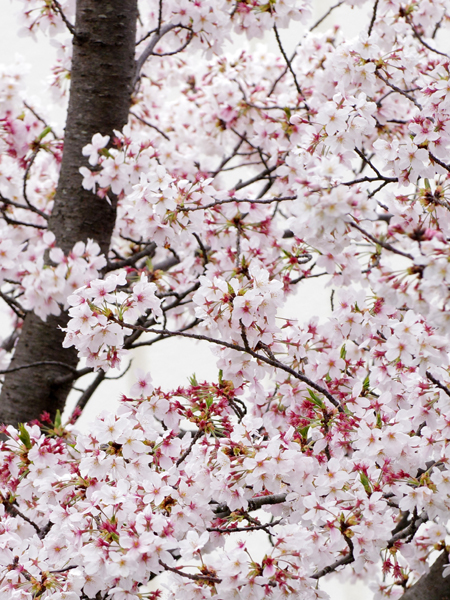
(256, 178)
(150, 125)
(439, 162)
(347, 559)
(289, 65)
(181, 48)
(186, 453)
(274, 363)
(189, 575)
(422, 41)
(398, 90)
(228, 158)
(237, 201)
(68, 24)
(437, 383)
(11, 221)
(327, 14)
(24, 186)
(384, 245)
(39, 118)
(374, 16)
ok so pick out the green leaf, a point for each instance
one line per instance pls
(193, 380)
(366, 384)
(304, 432)
(24, 436)
(366, 483)
(105, 152)
(316, 400)
(58, 419)
(230, 290)
(343, 352)
(44, 132)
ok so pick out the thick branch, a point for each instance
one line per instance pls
(431, 586)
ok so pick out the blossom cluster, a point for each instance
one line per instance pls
(98, 313)
(240, 178)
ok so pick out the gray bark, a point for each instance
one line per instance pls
(100, 92)
(431, 586)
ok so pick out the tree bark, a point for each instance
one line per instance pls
(431, 586)
(101, 85)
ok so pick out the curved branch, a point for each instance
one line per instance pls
(157, 36)
(270, 361)
(68, 24)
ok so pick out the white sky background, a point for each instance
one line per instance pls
(170, 362)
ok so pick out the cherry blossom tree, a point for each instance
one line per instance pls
(195, 189)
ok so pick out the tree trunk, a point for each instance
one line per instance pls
(100, 91)
(431, 586)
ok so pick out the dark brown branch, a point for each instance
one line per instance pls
(274, 363)
(289, 66)
(186, 453)
(384, 245)
(14, 305)
(241, 529)
(150, 125)
(437, 383)
(86, 395)
(398, 90)
(366, 179)
(148, 251)
(221, 511)
(327, 14)
(199, 577)
(345, 560)
(17, 205)
(367, 161)
(422, 41)
(68, 24)
(409, 531)
(12, 221)
(237, 201)
(15, 512)
(439, 162)
(374, 16)
(24, 186)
